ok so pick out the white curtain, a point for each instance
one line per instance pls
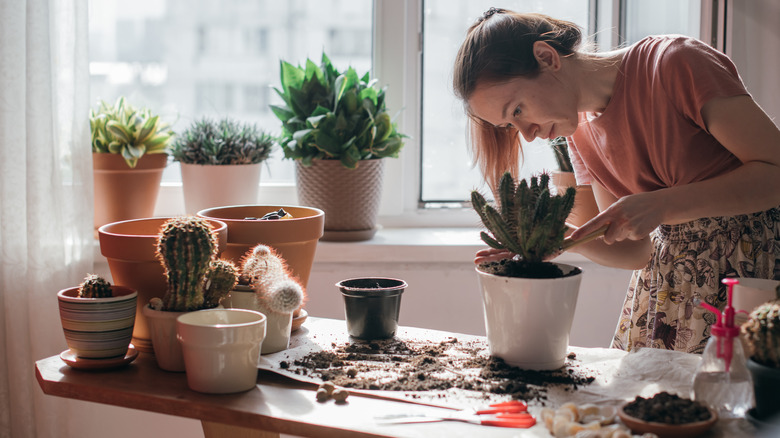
(46, 236)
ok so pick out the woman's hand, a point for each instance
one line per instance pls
(631, 217)
(492, 255)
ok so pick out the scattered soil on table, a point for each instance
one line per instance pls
(404, 365)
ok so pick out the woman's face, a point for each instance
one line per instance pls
(539, 108)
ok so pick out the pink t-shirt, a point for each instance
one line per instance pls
(651, 134)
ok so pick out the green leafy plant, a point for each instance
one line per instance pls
(762, 333)
(529, 222)
(95, 286)
(222, 142)
(187, 248)
(122, 129)
(560, 148)
(333, 115)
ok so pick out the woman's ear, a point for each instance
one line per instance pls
(546, 56)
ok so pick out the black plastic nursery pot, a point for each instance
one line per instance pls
(371, 306)
(766, 382)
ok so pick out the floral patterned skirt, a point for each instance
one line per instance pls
(687, 265)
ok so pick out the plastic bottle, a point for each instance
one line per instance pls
(722, 380)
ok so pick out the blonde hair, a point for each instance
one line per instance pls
(499, 47)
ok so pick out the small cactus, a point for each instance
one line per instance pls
(530, 221)
(276, 290)
(187, 248)
(762, 333)
(95, 286)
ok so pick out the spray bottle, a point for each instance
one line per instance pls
(722, 379)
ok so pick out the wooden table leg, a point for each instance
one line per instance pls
(220, 430)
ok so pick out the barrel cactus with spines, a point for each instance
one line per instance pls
(187, 248)
(762, 333)
(95, 286)
(276, 290)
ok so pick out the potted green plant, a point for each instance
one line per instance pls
(585, 207)
(97, 320)
(225, 151)
(529, 302)
(762, 334)
(129, 154)
(335, 125)
(196, 278)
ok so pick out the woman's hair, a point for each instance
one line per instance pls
(499, 47)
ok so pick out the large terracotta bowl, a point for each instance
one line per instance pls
(130, 247)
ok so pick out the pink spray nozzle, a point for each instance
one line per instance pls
(724, 329)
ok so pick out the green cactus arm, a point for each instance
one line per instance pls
(506, 191)
(499, 228)
(220, 279)
(490, 241)
(478, 203)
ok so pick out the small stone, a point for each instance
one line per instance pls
(322, 395)
(352, 372)
(328, 386)
(340, 395)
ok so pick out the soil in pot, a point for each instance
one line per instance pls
(523, 269)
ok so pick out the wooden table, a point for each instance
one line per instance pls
(276, 405)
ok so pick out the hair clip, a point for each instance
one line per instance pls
(490, 12)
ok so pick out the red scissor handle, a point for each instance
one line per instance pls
(519, 420)
(509, 407)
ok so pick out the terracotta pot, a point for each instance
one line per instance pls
(295, 240)
(207, 186)
(123, 193)
(349, 197)
(585, 207)
(130, 248)
(528, 319)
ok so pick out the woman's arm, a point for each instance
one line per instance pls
(743, 128)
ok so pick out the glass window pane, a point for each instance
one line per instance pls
(447, 174)
(643, 18)
(191, 58)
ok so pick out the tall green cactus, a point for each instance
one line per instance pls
(95, 286)
(276, 290)
(762, 332)
(530, 220)
(187, 248)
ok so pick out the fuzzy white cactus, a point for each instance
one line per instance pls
(275, 289)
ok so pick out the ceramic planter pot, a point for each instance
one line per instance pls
(349, 197)
(766, 385)
(527, 319)
(98, 328)
(124, 193)
(295, 240)
(162, 331)
(278, 325)
(372, 306)
(238, 184)
(130, 248)
(221, 349)
(585, 207)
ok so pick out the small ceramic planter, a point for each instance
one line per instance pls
(278, 325)
(372, 306)
(221, 349)
(238, 185)
(162, 329)
(98, 328)
(528, 319)
(766, 383)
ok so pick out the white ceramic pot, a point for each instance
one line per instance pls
(528, 319)
(162, 331)
(207, 186)
(221, 349)
(278, 325)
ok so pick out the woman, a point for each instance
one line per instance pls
(684, 164)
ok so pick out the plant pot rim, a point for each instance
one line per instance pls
(107, 229)
(218, 164)
(210, 213)
(71, 295)
(397, 287)
(563, 266)
(191, 320)
(759, 365)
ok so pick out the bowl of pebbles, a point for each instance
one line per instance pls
(667, 416)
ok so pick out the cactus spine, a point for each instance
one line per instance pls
(275, 289)
(187, 248)
(95, 286)
(762, 332)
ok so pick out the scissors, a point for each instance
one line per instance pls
(507, 414)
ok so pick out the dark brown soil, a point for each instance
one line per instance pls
(667, 408)
(522, 269)
(396, 365)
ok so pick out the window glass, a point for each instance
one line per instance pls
(447, 172)
(643, 18)
(186, 59)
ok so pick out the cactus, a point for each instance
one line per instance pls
(762, 333)
(187, 248)
(276, 290)
(95, 286)
(531, 221)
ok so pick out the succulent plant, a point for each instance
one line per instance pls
(333, 115)
(762, 333)
(530, 221)
(560, 149)
(222, 142)
(276, 290)
(187, 248)
(122, 129)
(95, 286)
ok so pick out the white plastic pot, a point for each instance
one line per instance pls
(528, 319)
